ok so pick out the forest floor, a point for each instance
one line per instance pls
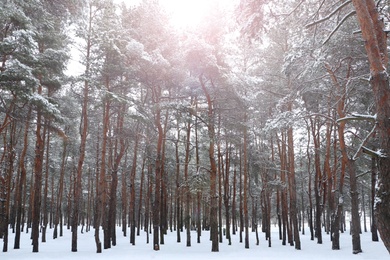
(60, 248)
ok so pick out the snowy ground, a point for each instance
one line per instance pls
(60, 249)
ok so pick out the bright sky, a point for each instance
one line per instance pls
(186, 12)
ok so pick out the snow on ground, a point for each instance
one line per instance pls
(60, 248)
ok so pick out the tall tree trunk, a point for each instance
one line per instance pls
(141, 192)
(186, 180)
(38, 167)
(220, 177)
(374, 230)
(22, 181)
(310, 208)
(285, 221)
(83, 135)
(345, 161)
(234, 215)
(199, 192)
(226, 193)
(177, 188)
(58, 212)
(101, 189)
(7, 183)
(213, 169)
(246, 183)
(119, 151)
(375, 39)
(132, 211)
(355, 229)
(46, 186)
(124, 195)
(79, 170)
(158, 176)
(292, 186)
(104, 178)
(317, 179)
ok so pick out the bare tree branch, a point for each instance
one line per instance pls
(329, 15)
(361, 147)
(338, 26)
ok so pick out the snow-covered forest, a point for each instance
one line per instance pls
(262, 122)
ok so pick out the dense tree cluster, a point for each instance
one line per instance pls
(259, 115)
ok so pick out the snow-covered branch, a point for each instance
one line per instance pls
(329, 15)
(357, 117)
(361, 147)
(338, 26)
(373, 153)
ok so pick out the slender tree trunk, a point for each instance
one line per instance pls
(46, 186)
(246, 184)
(104, 178)
(317, 180)
(199, 192)
(10, 150)
(310, 208)
(213, 169)
(186, 180)
(355, 229)
(22, 181)
(158, 177)
(124, 197)
(132, 211)
(226, 195)
(83, 137)
(220, 177)
(101, 190)
(141, 192)
(364, 209)
(58, 213)
(38, 167)
(234, 218)
(292, 185)
(374, 230)
(119, 151)
(177, 188)
(241, 209)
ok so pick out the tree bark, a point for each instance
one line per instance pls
(372, 27)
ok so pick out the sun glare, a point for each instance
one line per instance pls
(187, 12)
